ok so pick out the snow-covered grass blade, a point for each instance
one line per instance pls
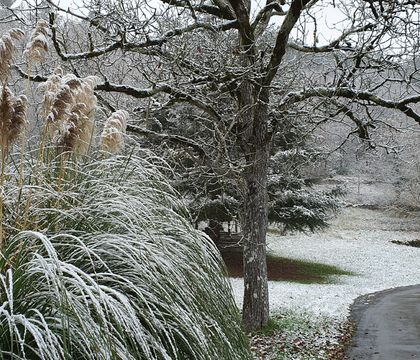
(101, 262)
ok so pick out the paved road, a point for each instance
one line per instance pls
(388, 325)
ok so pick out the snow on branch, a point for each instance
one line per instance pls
(127, 46)
(176, 139)
(91, 21)
(139, 93)
(144, 93)
(345, 92)
(334, 44)
(296, 8)
(264, 16)
(219, 11)
(162, 88)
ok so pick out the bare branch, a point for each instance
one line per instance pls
(245, 28)
(345, 92)
(263, 17)
(362, 126)
(333, 45)
(129, 46)
(163, 88)
(93, 22)
(223, 12)
(178, 95)
(296, 8)
(34, 78)
(176, 139)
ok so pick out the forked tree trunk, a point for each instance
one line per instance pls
(254, 140)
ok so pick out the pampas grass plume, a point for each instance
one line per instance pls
(50, 88)
(62, 92)
(12, 118)
(112, 137)
(37, 48)
(7, 50)
(70, 107)
(77, 131)
(19, 117)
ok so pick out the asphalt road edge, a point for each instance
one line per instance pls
(360, 305)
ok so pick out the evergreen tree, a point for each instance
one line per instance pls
(294, 202)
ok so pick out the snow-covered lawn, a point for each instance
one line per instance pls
(359, 240)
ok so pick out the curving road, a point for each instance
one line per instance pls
(388, 325)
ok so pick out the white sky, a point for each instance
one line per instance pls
(329, 18)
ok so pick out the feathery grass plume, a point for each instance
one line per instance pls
(19, 117)
(7, 50)
(85, 129)
(119, 273)
(70, 104)
(85, 95)
(77, 131)
(37, 48)
(63, 99)
(12, 118)
(112, 137)
(50, 88)
(72, 130)
(6, 116)
(78, 127)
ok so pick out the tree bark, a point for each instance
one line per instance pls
(255, 146)
(254, 224)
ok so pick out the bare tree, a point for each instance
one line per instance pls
(244, 72)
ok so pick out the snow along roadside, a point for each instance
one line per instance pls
(359, 240)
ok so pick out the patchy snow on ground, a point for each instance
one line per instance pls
(359, 240)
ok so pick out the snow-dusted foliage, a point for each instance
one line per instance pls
(297, 206)
(294, 202)
(99, 261)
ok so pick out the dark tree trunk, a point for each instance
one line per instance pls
(254, 223)
(255, 145)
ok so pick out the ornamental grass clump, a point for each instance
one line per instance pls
(114, 269)
(99, 259)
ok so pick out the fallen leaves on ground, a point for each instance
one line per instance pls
(299, 337)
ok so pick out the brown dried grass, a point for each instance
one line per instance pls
(12, 118)
(7, 50)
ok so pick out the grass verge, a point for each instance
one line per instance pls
(286, 269)
(412, 243)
